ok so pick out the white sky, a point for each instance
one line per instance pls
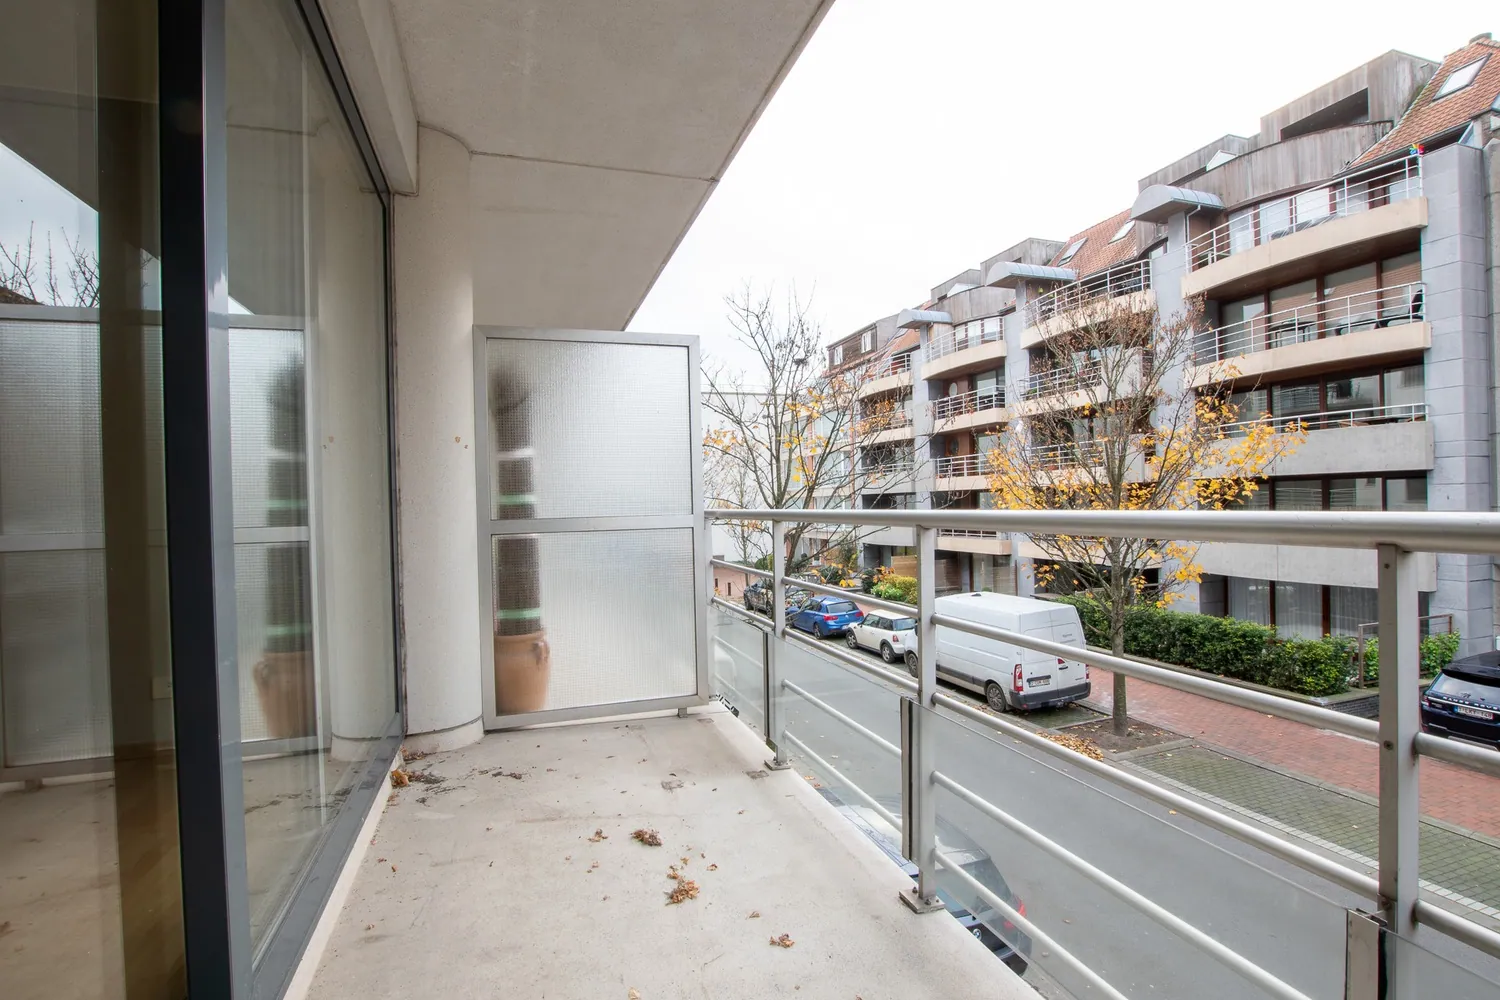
(914, 138)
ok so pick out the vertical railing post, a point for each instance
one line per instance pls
(918, 739)
(775, 714)
(1400, 805)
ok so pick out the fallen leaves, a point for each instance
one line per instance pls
(648, 837)
(713, 868)
(598, 836)
(686, 889)
(754, 915)
(634, 994)
(400, 778)
(782, 941)
(1077, 744)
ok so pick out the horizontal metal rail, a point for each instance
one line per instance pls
(966, 533)
(1382, 185)
(859, 793)
(1428, 531)
(991, 331)
(1226, 956)
(1038, 936)
(834, 713)
(959, 465)
(764, 574)
(962, 404)
(1376, 308)
(1059, 380)
(1123, 279)
(1300, 857)
(1230, 694)
(746, 613)
(859, 664)
(1459, 928)
(1393, 413)
(1456, 752)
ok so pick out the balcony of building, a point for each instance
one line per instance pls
(885, 422)
(957, 473)
(1060, 388)
(1314, 230)
(887, 475)
(977, 540)
(969, 410)
(1371, 439)
(968, 347)
(1089, 299)
(1376, 325)
(888, 375)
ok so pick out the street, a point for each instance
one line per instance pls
(1285, 920)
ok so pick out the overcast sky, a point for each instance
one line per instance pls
(914, 138)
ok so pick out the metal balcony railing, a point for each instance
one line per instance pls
(892, 420)
(957, 784)
(966, 335)
(1374, 188)
(1067, 454)
(967, 533)
(1336, 317)
(1365, 416)
(896, 365)
(959, 465)
(968, 402)
(1122, 280)
(889, 470)
(1055, 381)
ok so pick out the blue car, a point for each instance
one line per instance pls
(825, 616)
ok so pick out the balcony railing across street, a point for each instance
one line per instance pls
(1059, 380)
(1371, 310)
(1122, 280)
(885, 421)
(884, 470)
(1373, 188)
(890, 366)
(959, 465)
(945, 747)
(967, 533)
(1366, 416)
(989, 330)
(1067, 454)
(969, 402)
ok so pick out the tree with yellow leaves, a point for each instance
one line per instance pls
(1112, 421)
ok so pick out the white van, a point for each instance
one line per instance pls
(1011, 676)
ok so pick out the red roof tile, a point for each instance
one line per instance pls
(905, 342)
(1097, 252)
(1430, 116)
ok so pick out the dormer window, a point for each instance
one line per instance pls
(1069, 253)
(1460, 78)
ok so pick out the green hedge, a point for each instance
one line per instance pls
(1225, 646)
(1437, 651)
(897, 588)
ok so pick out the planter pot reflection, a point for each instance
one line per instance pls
(284, 687)
(523, 666)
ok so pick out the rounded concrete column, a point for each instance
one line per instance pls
(434, 275)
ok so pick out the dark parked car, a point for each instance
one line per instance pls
(1464, 700)
(757, 597)
(825, 616)
(978, 917)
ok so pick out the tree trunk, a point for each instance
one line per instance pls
(1117, 646)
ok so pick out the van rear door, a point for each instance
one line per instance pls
(1038, 669)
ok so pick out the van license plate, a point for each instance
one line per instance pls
(1039, 682)
(1477, 713)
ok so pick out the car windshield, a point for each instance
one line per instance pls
(838, 607)
(904, 624)
(1448, 686)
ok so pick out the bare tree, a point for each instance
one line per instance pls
(785, 433)
(40, 279)
(1111, 421)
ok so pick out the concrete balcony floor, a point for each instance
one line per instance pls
(484, 884)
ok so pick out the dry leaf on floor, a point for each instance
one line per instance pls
(648, 837)
(379, 860)
(713, 868)
(1075, 743)
(393, 867)
(598, 836)
(784, 941)
(593, 866)
(634, 994)
(686, 889)
(369, 927)
(754, 915)
(400, 778)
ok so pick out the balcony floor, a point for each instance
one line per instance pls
(484, 884)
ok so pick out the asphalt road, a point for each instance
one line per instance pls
(1288, 922)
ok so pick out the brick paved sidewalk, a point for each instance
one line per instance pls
(1454, 795)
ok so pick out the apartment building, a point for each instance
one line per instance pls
(1344, 256)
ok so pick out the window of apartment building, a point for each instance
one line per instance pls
(1294, 314)
(1341, 493)
(867, 342)
(1123, 231)
(1241, 230)
(838, 354)
(1304, 610)
(1249, 600)
(1351, 607)
(1406, 494)
(1352, 303)
(1298, 610)
(1070, 253)
(1461, 78)
(1364, 397)
(1275, 219)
